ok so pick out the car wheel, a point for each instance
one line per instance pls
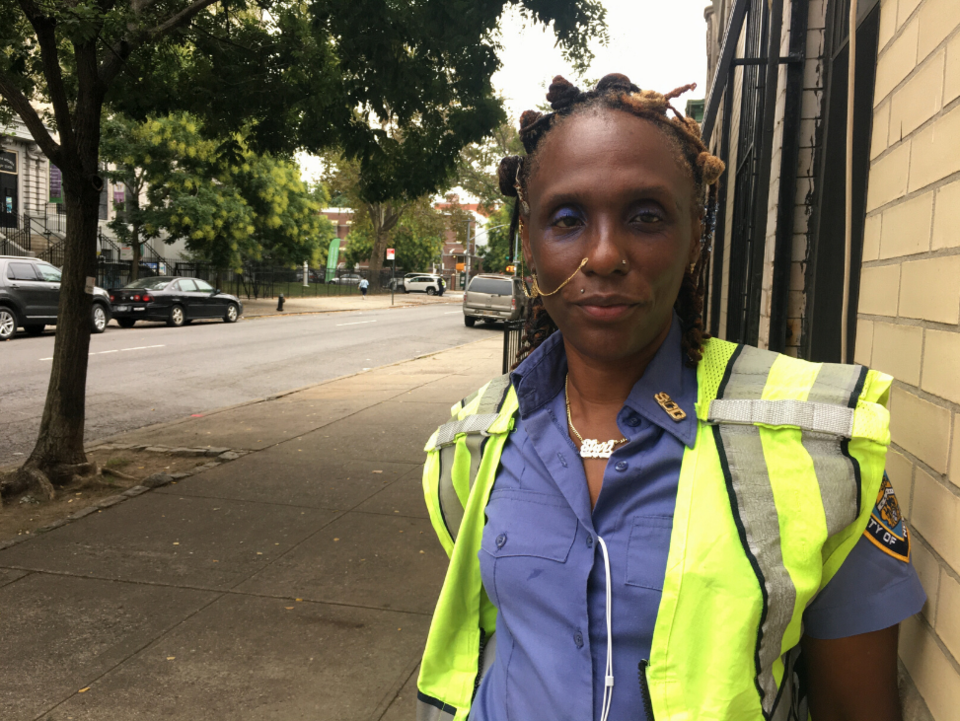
(34, 329)
(177, 317)
(126, 322)
(98, 318)
(431, 291)
(469, 321)
(8, 323)
(232, 314)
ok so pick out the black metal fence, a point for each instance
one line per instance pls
(270, 281)
(512, 340)
(31, 235)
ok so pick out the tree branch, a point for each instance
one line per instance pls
(127, 46)
(21, 105)
(45, 28)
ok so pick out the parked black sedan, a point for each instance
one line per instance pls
(177, 301)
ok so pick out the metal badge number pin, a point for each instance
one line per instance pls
(668, 404)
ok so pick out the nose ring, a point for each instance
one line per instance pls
(623, 262)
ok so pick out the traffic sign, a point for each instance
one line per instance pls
(391, 253)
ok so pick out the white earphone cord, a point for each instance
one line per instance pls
(608, 675)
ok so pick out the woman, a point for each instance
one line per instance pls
(638, 503)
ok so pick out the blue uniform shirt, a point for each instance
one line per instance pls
(542, 568)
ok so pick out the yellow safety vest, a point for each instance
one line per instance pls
(775, 493)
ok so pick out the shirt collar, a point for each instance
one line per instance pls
(540, 377)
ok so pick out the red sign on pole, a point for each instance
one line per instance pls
(391, 253)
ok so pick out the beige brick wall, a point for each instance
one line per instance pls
(909, 314)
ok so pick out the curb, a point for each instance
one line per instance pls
(218, 456)
(117, 438)
(284, 313)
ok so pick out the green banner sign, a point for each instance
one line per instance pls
(333, 258)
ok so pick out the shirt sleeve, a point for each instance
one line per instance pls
(877, 585)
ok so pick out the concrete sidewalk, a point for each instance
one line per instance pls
(260, 307)
(296, 582)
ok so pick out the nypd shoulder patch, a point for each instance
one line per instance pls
(886, 528)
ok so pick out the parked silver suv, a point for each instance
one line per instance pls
(491, 298)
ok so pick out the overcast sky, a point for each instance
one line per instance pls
(659, 44)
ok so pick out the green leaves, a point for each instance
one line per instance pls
(230, 204)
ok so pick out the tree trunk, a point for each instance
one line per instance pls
(58, 456)
(133, 189)
(384, 217)
(137, 254)
(376, 258)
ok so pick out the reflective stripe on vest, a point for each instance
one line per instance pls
(754, 542)
(825, 419)
(483, 409)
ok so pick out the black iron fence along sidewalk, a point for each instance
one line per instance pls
(255, 281)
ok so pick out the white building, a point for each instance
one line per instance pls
(32, 219)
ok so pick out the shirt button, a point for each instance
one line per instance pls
(578, 639)
(501, 539)
(633, 421)
(589, 541)
(622, 466)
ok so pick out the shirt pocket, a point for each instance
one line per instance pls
(647, 552)
(524, 523)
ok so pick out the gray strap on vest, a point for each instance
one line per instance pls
(836, 474)
(751, 496)
(431, 709)
(475, 427)
(486, 414)
(471, 424)
(816, 417)
(825, 420)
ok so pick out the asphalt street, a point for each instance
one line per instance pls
(152, 374)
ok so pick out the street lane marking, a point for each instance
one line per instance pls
(451, 312)
(359, 322)
(103, 352)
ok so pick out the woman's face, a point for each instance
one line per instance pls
(611, 188)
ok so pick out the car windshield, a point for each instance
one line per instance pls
(491, 286)
(149, 283)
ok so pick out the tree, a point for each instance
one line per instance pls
(497, 254)
(478, 163)
(311, 75)
(374, 219)
(417, 237)
(247, 207)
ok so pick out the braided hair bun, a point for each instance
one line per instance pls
(507, 175)
(712, 167)
(562, 93)
(616, 81)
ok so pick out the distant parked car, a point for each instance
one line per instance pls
(422, 283)
(345, 279)
(491, 298)
(30, 297)
(176, 301)
(313, 276)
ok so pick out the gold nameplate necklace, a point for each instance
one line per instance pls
(589, 447)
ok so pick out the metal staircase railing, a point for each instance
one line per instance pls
(15, 234)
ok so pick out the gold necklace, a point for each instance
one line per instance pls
(589, 447)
